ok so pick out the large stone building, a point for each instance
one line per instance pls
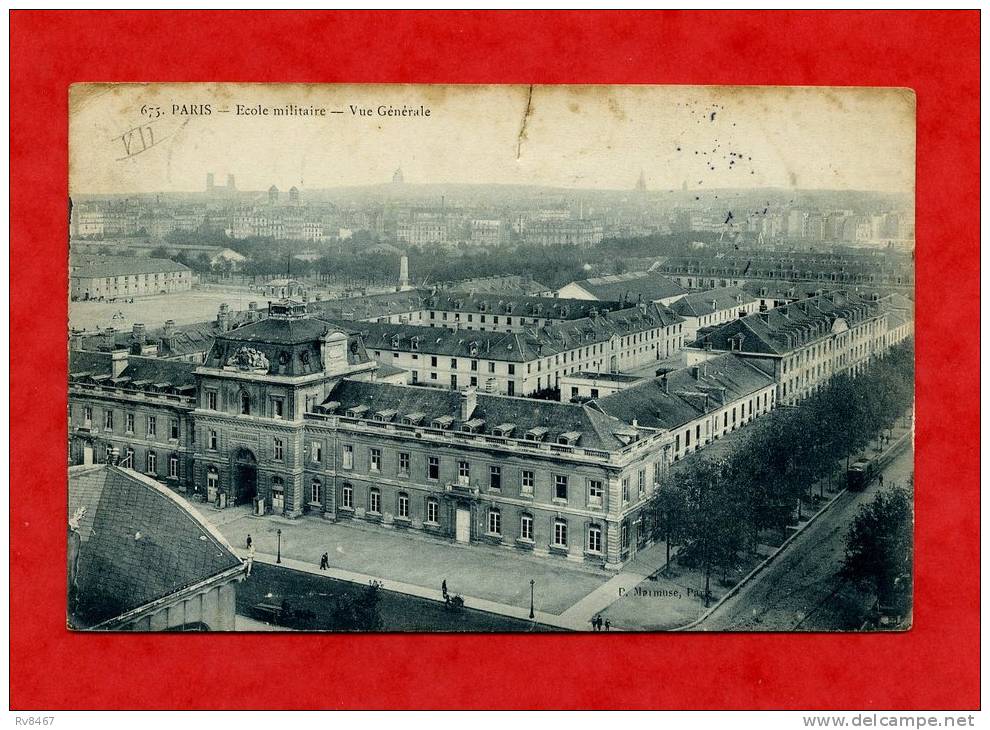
(517, 359)
(113, 277)
(286, 414)
(803, 344)
(840, 269)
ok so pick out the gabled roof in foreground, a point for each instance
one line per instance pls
(135, 543)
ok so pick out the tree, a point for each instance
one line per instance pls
(669, 508)
(714, 518)
(879, 547)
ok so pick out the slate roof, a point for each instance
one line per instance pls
(136, 543)
(185, 339)
(292, 346)
(508, 284)
(598, 430)
(681, 396)
(629, 287)
(699, 304)
(529, 344)
(786, 328)
(141, 373)
(518, 305)
(175, 372)
(88, 266)
(371, 306)
(82, 361)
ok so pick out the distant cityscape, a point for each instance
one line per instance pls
(407, 214)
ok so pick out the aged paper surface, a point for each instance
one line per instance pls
(490, 358)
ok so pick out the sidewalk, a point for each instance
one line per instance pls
(409, 589)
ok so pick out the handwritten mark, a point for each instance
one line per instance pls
(138, 140)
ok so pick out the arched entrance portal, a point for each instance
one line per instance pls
(244, 476)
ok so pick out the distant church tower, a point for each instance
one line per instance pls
(641, 183)
(293, 195)
(273, 195)
(397, 176)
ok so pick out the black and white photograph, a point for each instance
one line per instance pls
(457, 358)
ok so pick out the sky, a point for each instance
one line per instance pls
(593, 137)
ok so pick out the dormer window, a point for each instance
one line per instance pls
(395, 342)
(536, 434)
(386, 416)
(443, 422)
(475, 425)
(356, 411)
(415, 343)
(569, 438)
(504, 429)
(413, 419)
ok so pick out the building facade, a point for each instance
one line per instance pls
(112, 277)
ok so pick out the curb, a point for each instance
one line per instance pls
(427, 594)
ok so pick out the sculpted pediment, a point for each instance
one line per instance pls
(247, 358)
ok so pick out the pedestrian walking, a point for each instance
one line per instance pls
(608, 625)
(250, 559)
(443, 588)
(324, 561)
(594, 623)
(249, 541)
(881, 481)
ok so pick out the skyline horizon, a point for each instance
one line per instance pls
(460, 183)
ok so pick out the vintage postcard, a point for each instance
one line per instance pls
(490, 358)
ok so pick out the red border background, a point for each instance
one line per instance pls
(935, 665)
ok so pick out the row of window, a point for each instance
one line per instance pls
(494, 516)
(150, 463)
(150, 423)
(527, 477)
(276, 404)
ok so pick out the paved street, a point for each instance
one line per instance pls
(799, 591)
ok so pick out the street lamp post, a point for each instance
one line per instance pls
(532, 586)
(278, 554)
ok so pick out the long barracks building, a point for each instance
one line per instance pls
(525, 359)
(804, 343)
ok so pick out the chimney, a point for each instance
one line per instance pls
(223, 317)
(114, 456)
(665, 384)
(469, 401)
(137, 332)
(169, 329)
(108, 339)
(696, 372)
(765, 316)
(118, 361)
